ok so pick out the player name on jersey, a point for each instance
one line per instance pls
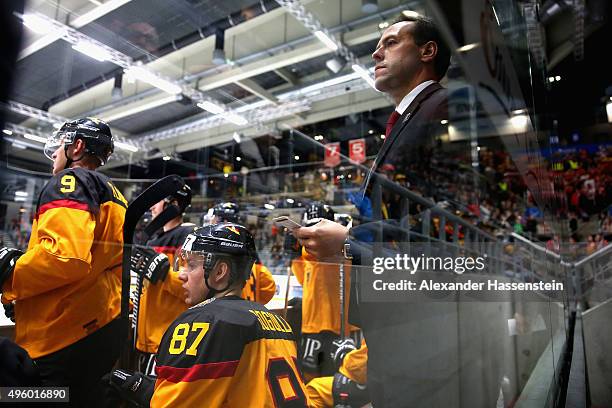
(272, 322)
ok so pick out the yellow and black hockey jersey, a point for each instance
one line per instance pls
(321, 294)
(164, 301)
(228, 352)
(261, 286)
(68, 283)
(354, 366)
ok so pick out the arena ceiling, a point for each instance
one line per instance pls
(269, 57)
(272, 74)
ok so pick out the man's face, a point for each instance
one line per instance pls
(59, 159)
(192, 275)
(157, 209)
(397, 57)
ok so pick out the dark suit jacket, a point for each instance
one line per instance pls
(391, 369)
(415, 132)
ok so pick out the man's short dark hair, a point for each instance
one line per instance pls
(425, 30)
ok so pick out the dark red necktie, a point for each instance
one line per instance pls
(392, 119)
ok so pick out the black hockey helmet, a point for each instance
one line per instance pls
(182, 197)
(226, 212)
(232, 242)
(94, 132)
(316, 211)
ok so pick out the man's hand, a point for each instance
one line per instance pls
(324, 240)
(149, 264)
(340, 348)
(8, 258)
(347, 391)
(134, 387)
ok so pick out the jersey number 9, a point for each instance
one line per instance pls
(68, 184)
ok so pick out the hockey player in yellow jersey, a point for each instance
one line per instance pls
(163, 298)
(224, 351)
(66, 287)
(260, 287)
(320, 300)
(347, 387)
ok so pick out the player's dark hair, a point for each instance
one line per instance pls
(425, 30)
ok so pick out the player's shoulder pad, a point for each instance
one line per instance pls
(71, 188)
(263, 323)
(225, 334)
(253, 320)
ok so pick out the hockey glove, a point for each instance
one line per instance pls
(340, 348)
(134, 387)
(292, 247)
(16, 367)
(149, 264)
(8, 258)
(9, 311)
(348, 392)
(295, 302)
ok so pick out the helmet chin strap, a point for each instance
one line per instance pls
(212, 291)
(69, 160)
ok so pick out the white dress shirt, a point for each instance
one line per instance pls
(403, 105)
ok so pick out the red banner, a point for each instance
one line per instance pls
(332, 154)
(357, 150)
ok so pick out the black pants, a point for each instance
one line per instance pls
(81, 365)
(315, 359)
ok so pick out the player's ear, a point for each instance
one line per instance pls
(79, 147)
(223, 271)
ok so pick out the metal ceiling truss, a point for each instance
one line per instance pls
(24, 131)
(75, 37)
(297, 10)
(54, 120)
(216, 77)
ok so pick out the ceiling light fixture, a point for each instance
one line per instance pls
(468, 47)
(37, 24)
(326, 39)
(139, 108)
(335, 64)
(126, 146)
(35, 138)
(142, 74)
(211, 107)
(235, 119)
(19, 146)
(92, 50)
(364, 74)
